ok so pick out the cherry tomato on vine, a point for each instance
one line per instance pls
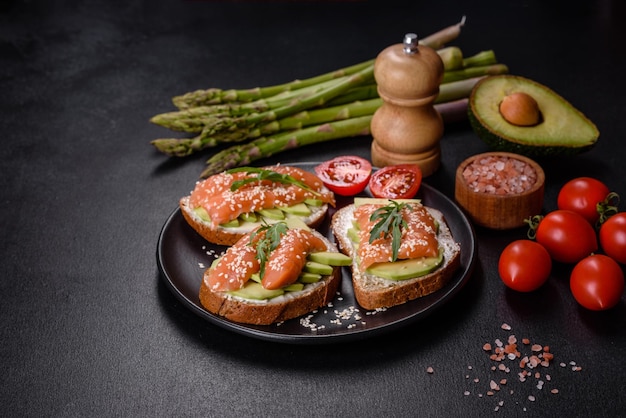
(346, 175)
(582, 195)
(597, 282)
(567, 236)
(613, 237)
(400, 181)
(524, 265)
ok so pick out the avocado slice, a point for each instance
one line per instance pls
(299, 209)
(272, 213)
(561, 130)
(330, 258)
(406, 269)
(202, 213)
(249, 217)
(307, 277)
(293, 287)
(234, 223)
(314, 202)
(318, 268)
(256, 291)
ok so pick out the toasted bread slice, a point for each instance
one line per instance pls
(372, 292)
(265, 312)
(222, 235)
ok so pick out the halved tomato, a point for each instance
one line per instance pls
(400, 181)
(345, 175)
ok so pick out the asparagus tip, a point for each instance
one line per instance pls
(172, 147)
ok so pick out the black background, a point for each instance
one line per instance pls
(88, 326)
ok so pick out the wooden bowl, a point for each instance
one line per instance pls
(523, 199)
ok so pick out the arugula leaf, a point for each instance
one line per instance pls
(268, 243)
(263, 174)
(390, 222)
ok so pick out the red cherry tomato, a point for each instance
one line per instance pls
(613, 237)
(582, 195)
(597, 282)
(567, 236)
(400, 181)
(524, 265)
(346, 175)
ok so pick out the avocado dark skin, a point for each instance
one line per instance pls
(576, 135)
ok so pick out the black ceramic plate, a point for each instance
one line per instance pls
(182, 256)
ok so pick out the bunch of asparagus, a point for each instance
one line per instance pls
(266, 120)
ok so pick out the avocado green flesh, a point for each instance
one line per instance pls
(300, 209)
(272, 213)
(406, 269)
(318, 268)
(307, 277)
(330, 258)
(256, 291)
(313, 271)
(400, 269)
(291, 214)
(562, 130)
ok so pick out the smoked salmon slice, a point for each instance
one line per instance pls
(419, 236)
(288, 259)
(235, 267)
(222, 204)
(240, 261)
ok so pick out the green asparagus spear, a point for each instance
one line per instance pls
(487, 57)
(193, 119)
(217, 96)
(186, 146)
(470, 72)
(263, 147)
(446, 35)
(216, 126)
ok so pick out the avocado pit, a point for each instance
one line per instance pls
(520, 109)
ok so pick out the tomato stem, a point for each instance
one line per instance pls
(607, 208)
(533, 224)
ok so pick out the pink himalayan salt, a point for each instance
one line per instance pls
(499, 175)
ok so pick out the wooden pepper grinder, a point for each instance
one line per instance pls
(407, 128)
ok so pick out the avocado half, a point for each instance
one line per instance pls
(562, 130)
